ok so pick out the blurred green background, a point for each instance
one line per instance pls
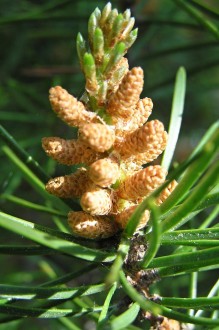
(38, 51)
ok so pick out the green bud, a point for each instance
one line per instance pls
(92, 25)
(97, 14)
(89, 64)
(90, 73)
(105, 13)
(118, 75)
(127, 14)
(117, 25)
(98, 45)
(131, 38)
(108, 26)
(80, 38)
(81, 47)
(128, 28)
(102, 93)
(117, 53)
(116, 31)
(111, 18)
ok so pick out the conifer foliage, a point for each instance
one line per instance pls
(114, 137)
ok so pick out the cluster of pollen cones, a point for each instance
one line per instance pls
(112, 182)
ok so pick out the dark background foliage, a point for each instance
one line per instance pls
(38, 51)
